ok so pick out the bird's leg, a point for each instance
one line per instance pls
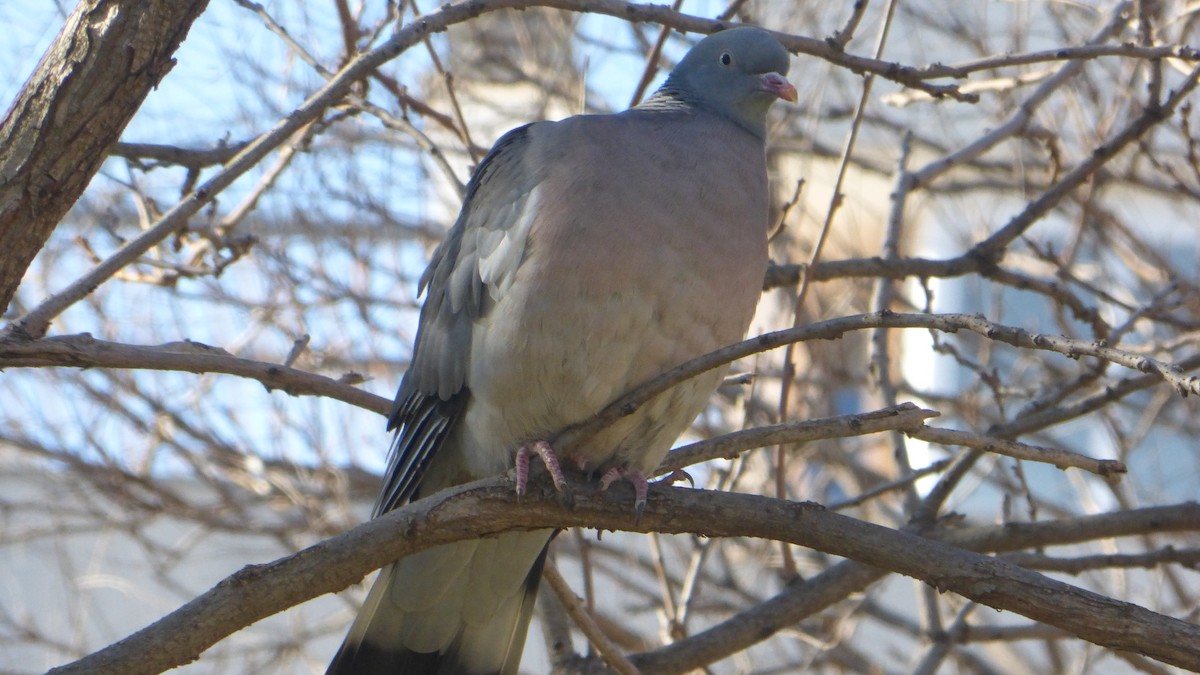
(543, 450)
(641, 486)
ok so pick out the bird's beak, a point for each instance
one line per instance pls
(779, 86)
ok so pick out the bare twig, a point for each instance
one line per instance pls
(604, 647)
(1188, 557)
(651, 67)
(1063, 459)
(84, 351)
(904, 417)
(835, 328)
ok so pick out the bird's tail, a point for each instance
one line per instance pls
(462, 608)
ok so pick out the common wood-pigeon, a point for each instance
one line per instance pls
(591, 254)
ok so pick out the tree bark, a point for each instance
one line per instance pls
(490, 506)
(72, 110)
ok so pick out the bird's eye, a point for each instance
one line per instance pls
(726, 58)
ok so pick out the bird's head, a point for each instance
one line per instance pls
(737, 73)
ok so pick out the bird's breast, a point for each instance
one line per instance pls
(628, 271)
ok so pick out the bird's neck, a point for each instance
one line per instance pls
(668, 99)
(671, 98)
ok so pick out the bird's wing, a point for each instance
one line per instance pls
(472, 268)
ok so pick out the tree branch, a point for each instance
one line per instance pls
(84, 351)
(71, 112)
(1058, 457)
(586, 622)
(904, 417)
(489, 507)
(836, 328)
(801, 600)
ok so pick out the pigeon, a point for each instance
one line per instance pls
(591, 254)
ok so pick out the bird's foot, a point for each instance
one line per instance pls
(641, 486)
(543, 450)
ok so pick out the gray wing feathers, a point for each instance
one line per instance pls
(465, 607)
(425, 421)
(501, 243)
(473, 266)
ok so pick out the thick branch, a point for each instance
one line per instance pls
(805, 599)
(86, 88)
(489, 507)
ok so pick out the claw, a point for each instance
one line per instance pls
(611, 476)
(641, 487)
(543, 450)
(677, 476)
